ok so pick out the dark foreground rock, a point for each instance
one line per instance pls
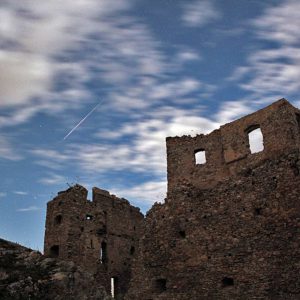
(27, 274)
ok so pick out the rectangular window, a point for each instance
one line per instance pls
(256, 140)
(200, 157)
(113, 286)
(103, 253)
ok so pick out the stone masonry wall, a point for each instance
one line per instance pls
(100, 235)
(227, 149)
(229, 229)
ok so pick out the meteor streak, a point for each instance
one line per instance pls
(82, 121)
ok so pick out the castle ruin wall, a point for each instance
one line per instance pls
(100, 235)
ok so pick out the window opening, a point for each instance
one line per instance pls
(132, 250)
(182, 234)
(54, 251)
(161, 285)
(200, 157)
(256, 140)
(227, 281)
(89, 217)
(113, 286)
(103, 253)
(257, 211)
(58, 219)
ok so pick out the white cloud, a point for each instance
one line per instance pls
(30, 208)
(273, 72)
(53, 179)
(22, 76)
(231, 110)
(31, 61)
(188, 55)
(280, 23)
(7, 150)
(20, 193)
(177, 89)
(116, 50)
(27, 64)
(199, 13)
(50, 154)
(2, 194)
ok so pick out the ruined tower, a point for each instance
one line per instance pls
(230, 226)
(100, 235)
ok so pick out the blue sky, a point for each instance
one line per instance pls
(160, 68)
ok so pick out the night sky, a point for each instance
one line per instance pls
(149, 69)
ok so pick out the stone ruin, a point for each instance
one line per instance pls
(229, 227)
(100, 235)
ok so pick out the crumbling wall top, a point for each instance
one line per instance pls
(76, 192)
(227, 150)
(109, 201)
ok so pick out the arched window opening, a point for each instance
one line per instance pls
(200, 157)
(103, 253)
(58, 219)
(256, 139)
(54, 251)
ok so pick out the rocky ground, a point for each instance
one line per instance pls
(27, 274)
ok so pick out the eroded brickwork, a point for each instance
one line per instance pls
(230, 228)
(100, 235)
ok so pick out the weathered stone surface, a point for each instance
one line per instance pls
(26, 274)
(100, 235)
(229, 229)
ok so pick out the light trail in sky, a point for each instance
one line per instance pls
(82, 120)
